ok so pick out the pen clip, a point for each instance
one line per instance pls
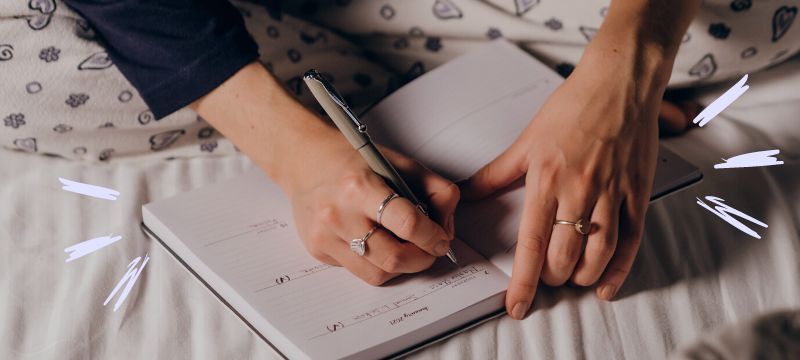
(336, 97)
(421, 206)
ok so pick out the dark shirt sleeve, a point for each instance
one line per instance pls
(172, 51)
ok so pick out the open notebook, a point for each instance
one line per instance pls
(239, 239)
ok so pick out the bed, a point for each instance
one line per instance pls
(694, 272)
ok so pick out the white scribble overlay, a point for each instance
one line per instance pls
(721, 102)
(724, 211)
(130, 277)
(89, 246)
(753, 159)
(89, 189)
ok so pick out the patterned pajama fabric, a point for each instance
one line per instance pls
(62, 95)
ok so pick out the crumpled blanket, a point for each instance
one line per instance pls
(695, 273)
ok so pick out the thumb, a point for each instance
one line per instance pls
(500, 172)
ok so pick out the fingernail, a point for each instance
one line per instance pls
(519, 310)
(441, 248)
(451, 226)
(607, 291)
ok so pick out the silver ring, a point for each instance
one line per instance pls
(580, 225)
(383, 205)
(359, 246)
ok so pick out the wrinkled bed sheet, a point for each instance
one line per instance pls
(694, 273)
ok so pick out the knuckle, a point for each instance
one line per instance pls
(521, 290)
(429, 261)
(552, 279)
(548, 178)
(405, 162)
(377, 277)
(409, 224)
(319, 255)
(584, 280)
(612, 188)
(328, 214)
(582, 197)
(452, 191)
(606, 245)
(587, 180)
(524, 287)
(534, 244)
(564, 257)
(487, 174)
(583, 188)
(392, 263)
(548, 165)
(315, 239)
(353, 185)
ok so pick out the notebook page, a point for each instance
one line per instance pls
(459, 117)
(241, 235)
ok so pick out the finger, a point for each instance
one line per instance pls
(672, 119)
(360, 267)
(407, 222)
(690, 108)
(316, 241)
(400, 216)
(534, 234)
(566, 242)
(631, 227)
(385, 251)
(602, 240)
(442, 194)
(500, 172)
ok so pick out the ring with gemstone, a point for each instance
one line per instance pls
(581, 226)
(359, 246)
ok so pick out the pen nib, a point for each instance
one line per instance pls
(452, 256)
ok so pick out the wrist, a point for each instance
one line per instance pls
(253, 111)
(629, 55)
(639, 40)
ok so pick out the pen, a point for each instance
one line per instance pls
(356, 133)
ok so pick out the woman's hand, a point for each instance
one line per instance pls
(590, 153)
(335, 197)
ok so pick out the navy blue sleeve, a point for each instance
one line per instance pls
(172, 51)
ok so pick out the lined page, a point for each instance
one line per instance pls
(459, 117)
(242, 231)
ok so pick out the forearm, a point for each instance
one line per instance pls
(254, 111)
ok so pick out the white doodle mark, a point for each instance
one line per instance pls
(753, 159)
(129, 279)
(722, 102)
(89, 246)
(724, 211)
(89, 189)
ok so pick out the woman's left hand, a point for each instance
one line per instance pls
(590, 153)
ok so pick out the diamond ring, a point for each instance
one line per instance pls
(359, 246)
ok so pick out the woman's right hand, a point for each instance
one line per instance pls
(334, 194)
(335, 197)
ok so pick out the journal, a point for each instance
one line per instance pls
(238, 237)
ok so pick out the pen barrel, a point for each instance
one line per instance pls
(382, 167)
(343, 119)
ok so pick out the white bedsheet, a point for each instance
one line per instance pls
(693, 274)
